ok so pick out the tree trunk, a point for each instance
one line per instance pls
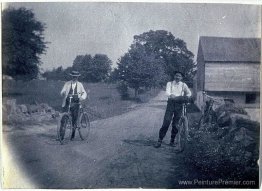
(136, 92)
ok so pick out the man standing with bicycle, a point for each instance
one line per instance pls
(177, 92)
(75, 90)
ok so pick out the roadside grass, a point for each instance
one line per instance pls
(104, 100)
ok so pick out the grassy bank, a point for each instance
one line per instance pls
(104, 99)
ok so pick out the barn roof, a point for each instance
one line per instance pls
(224, 49)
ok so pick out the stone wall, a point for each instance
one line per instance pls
(228, 147)
(14, 113)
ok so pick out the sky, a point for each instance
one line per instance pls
(108, 28)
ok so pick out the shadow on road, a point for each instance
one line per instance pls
(137, 142)
(151, 143)
(163, 107)
(192, 108)
(50, 139)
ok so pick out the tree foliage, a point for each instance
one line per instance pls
(152, 59)
(93, 69)
(139, 68)
(58, 74)
(22, 43)
(172, 51)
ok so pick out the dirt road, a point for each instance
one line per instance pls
(119, 154)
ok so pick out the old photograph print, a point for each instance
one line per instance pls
(130, 95)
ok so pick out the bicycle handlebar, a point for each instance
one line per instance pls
(217, 100)
(71, 95)
(183, 99)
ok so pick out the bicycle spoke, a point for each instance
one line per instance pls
(84, 126)
(183, 134)
(64, 129)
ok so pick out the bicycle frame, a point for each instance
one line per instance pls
(69, 107)
(209, 107)
(211, 100)
(184, 109)
(70, 101)
(69, 114)
(206, 118)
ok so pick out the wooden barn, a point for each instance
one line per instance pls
(229, 68)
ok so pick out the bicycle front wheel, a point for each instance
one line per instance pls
(64, 130)
(183, 133)
(84, 126)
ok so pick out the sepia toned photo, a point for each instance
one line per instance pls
(99, 95)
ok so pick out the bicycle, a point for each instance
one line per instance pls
(65, 126)
(183, 135)
(207, 118)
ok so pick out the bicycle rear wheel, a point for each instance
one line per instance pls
(201, 122)
(84, 126)
(64, 130)
(205, 122)
(183, 134)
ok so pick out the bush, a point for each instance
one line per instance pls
(230, 151)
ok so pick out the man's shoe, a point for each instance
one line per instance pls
(72, 138)
(172, 144)
(158, 144)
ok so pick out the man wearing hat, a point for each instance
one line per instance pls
(177, 91)
(76, 89)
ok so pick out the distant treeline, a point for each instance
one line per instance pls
(149, 62)
(92, 69)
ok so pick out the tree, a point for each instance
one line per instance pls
(101, 67)
(172, 51)
(83, 63)
(57, 74)
(94, 69)
(139, 68)
(22, 43)
(152, 57)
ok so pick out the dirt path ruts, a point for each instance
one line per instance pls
(119, 154)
